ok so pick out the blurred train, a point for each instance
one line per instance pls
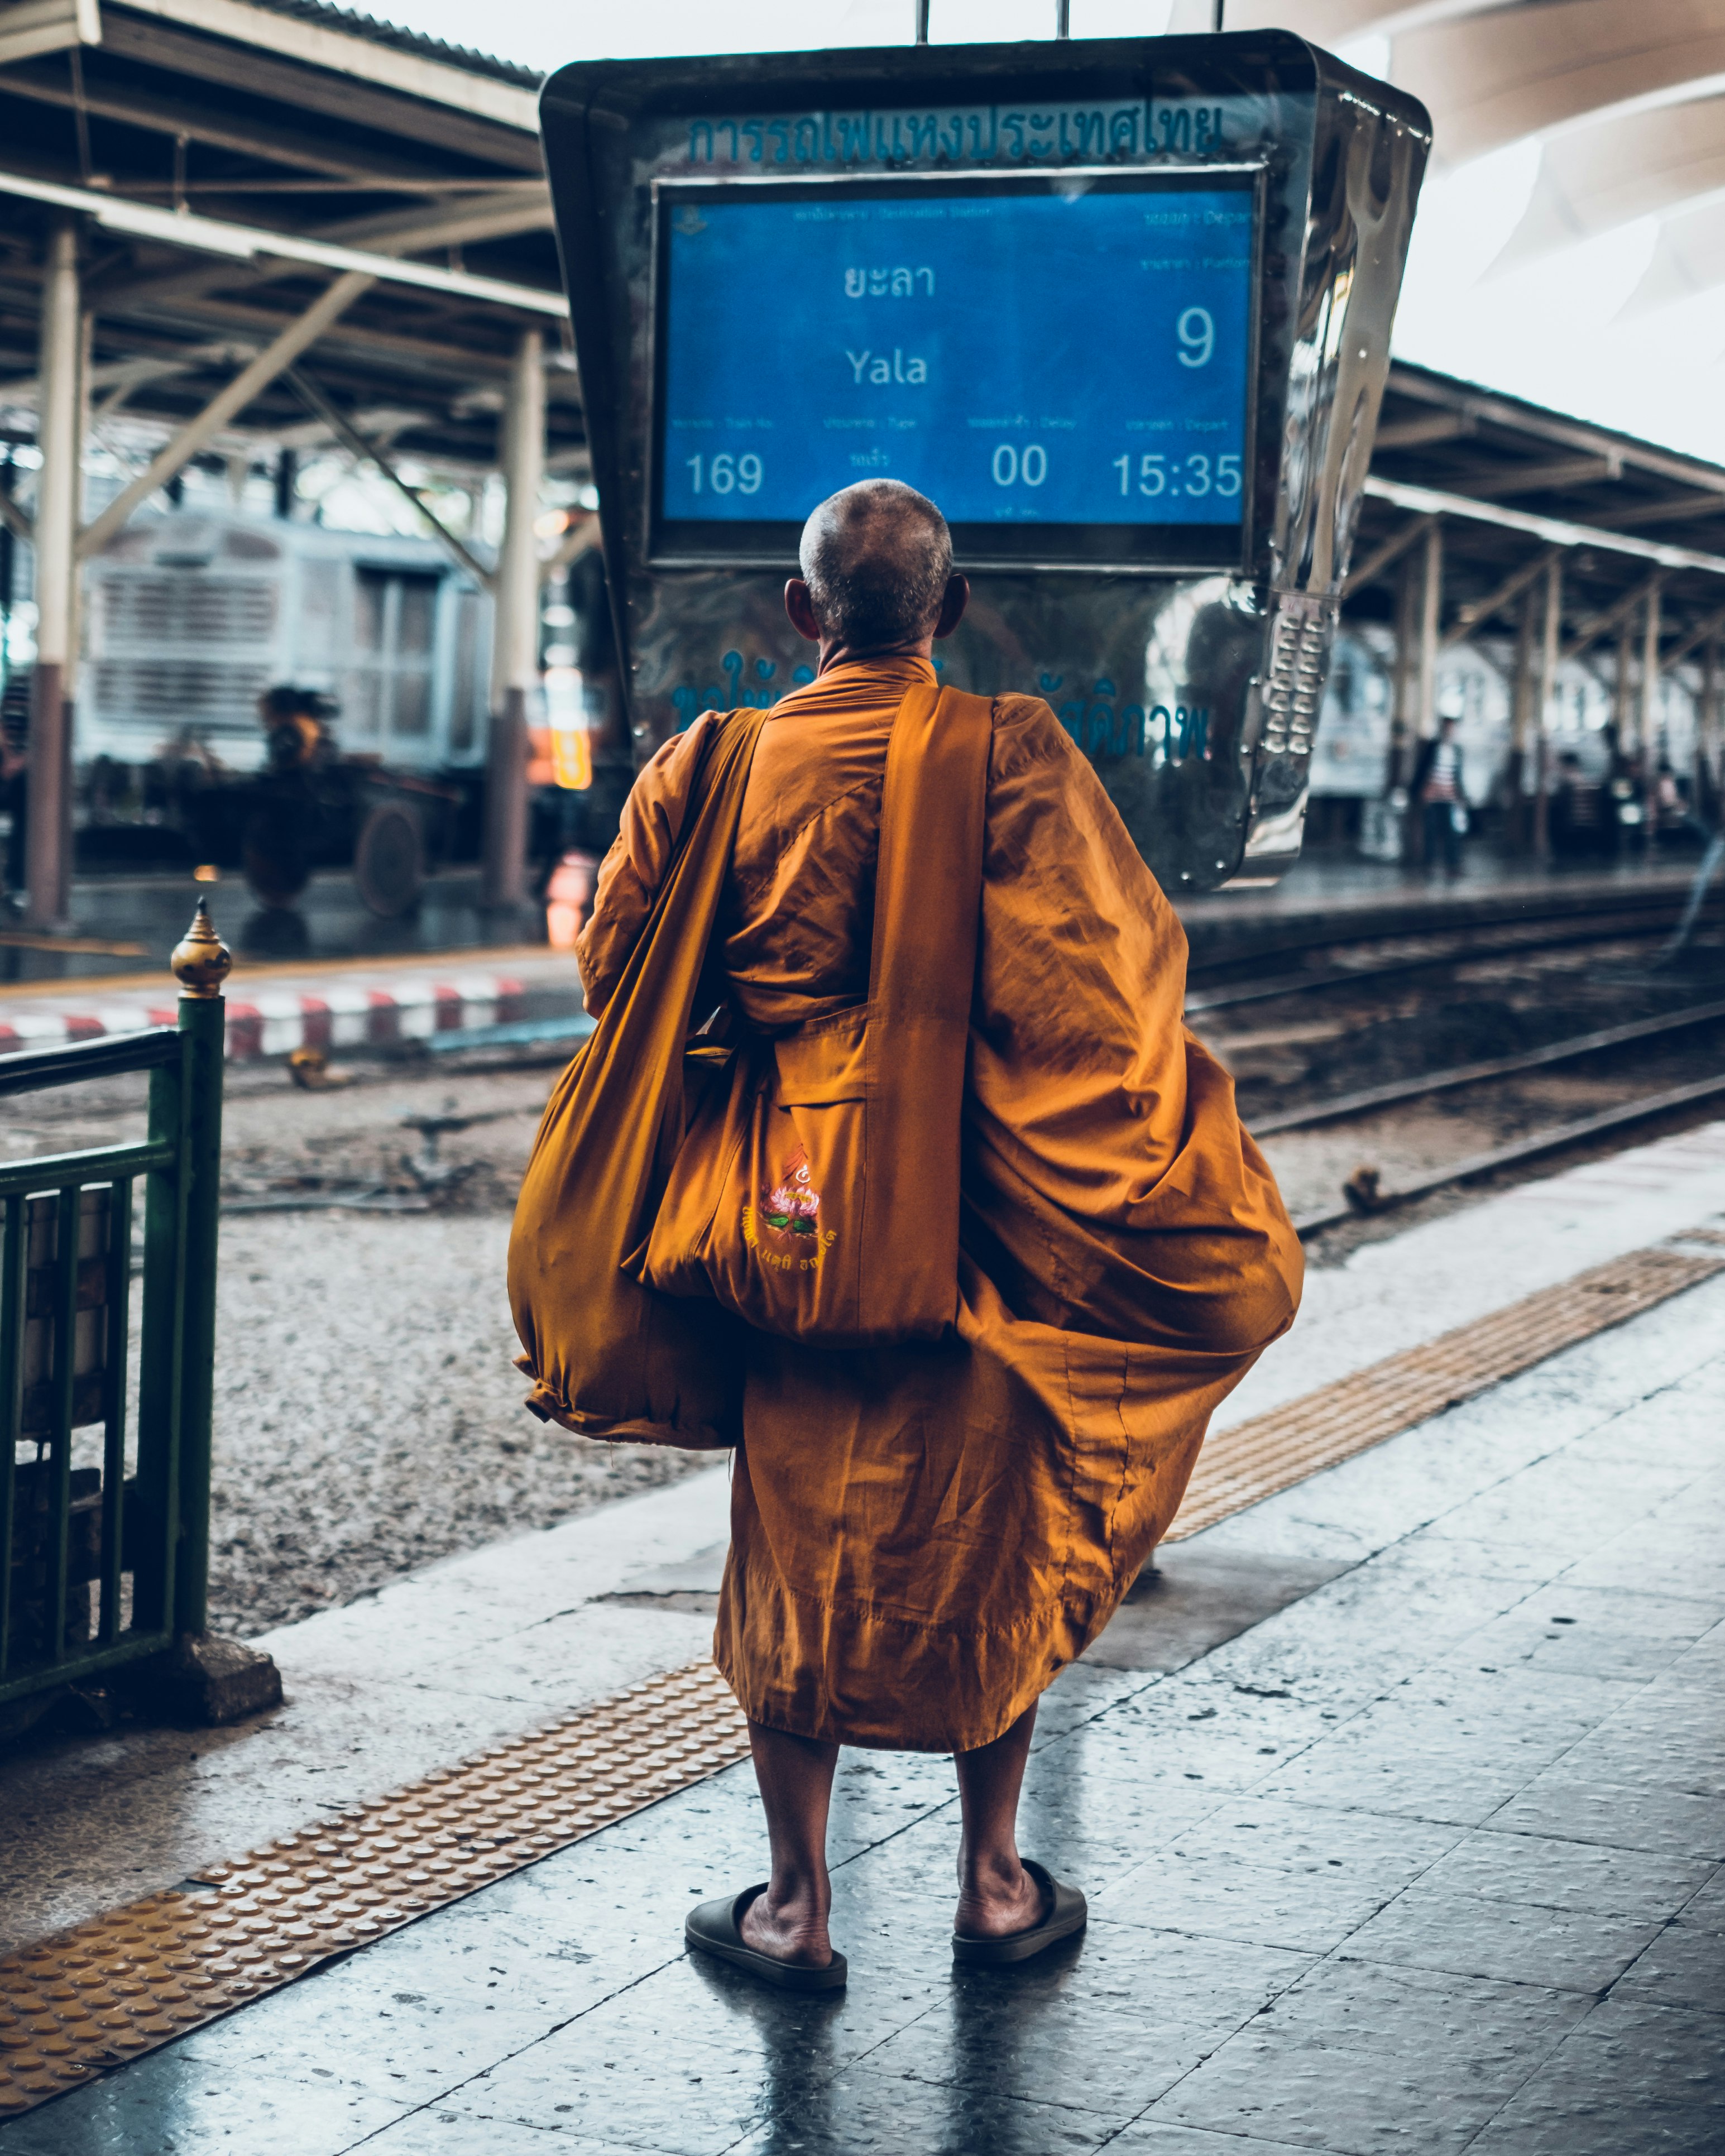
(189, 618)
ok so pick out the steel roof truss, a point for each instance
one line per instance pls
(370, 453)
(173, 457)
(1492, 483)
(1614, 616)
(1474, 613)
(1387, 551)
(177, 116)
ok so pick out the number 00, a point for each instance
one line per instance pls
(1008, 467)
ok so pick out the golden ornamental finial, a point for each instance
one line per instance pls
(200, 960)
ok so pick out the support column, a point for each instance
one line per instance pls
(1549, 643)
(1403, 714)
(515, 649)
(1622, 700)
(1524, 721)
(1422, 615)
(1431, 604)
(48, 864)
(1649, 677)
(74, 643)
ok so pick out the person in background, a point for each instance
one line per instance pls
(1443, 805)
(296, 725)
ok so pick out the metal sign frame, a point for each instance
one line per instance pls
(1194, 690)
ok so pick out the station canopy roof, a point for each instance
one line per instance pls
(1514, 487)
(233, 158)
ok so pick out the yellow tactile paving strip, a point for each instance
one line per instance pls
(102, 1993)
(106, 1990)
(1243, 1465)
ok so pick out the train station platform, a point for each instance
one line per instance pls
(335, 976)
(1335, 894)
(122, 923)
(1396, 1791)
(125, 923)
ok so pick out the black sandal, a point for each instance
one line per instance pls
(1065, 1912)
(714, 1927)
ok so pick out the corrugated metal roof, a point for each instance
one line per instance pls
(353, 23)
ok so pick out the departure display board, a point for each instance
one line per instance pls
(1062, 362)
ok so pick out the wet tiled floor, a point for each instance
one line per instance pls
(1429, 1859)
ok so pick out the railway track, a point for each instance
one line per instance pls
(1416, 1008)
(1348, 1105)
(1231, 997)
(1367, 1192)
(1217, 953)
(1363, 1200)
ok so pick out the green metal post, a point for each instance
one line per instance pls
(202, 963)
(157, 1514)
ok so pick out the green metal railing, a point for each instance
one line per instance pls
(104, 1565)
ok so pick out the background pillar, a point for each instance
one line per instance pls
(1551, 634)
(514, 650)
(1431, 602)
(1623, 699)
(1403, 712)
(1524, 722)
(48, 865)
(1651, 626)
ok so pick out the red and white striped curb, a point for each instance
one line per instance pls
(338, 1014)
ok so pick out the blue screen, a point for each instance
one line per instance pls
(1022, 358)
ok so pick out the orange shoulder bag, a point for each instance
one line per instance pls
(818, 1197)
(609, 1357)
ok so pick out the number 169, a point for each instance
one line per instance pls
(725, 473)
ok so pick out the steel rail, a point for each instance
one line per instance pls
(1473, 1073)
(1340, 977)
(1309, 933)
(1475, 1165)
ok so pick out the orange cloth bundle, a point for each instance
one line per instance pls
(819, 1198)
(609, 1358)
(923, 1536)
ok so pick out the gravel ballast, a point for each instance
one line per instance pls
(367, 1415)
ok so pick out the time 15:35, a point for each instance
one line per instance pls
(1157, 473)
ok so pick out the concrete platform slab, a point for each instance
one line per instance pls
(1360, 1877)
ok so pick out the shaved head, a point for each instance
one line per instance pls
(877, 559)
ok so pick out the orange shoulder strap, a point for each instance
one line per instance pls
(927, 913)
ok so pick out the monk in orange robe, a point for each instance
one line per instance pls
(922, 1537)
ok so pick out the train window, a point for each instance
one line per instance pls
(416, 624)
(394, 630)
(464, 703)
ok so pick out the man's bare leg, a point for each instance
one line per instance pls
(789, 1920)
(996, 1895)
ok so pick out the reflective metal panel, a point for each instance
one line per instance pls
(1195, 696)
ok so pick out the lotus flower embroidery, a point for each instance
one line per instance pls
(793, 1206)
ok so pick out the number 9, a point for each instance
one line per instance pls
(1196, 334)
(750, 472)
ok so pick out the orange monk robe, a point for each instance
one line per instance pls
(922, 1537)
